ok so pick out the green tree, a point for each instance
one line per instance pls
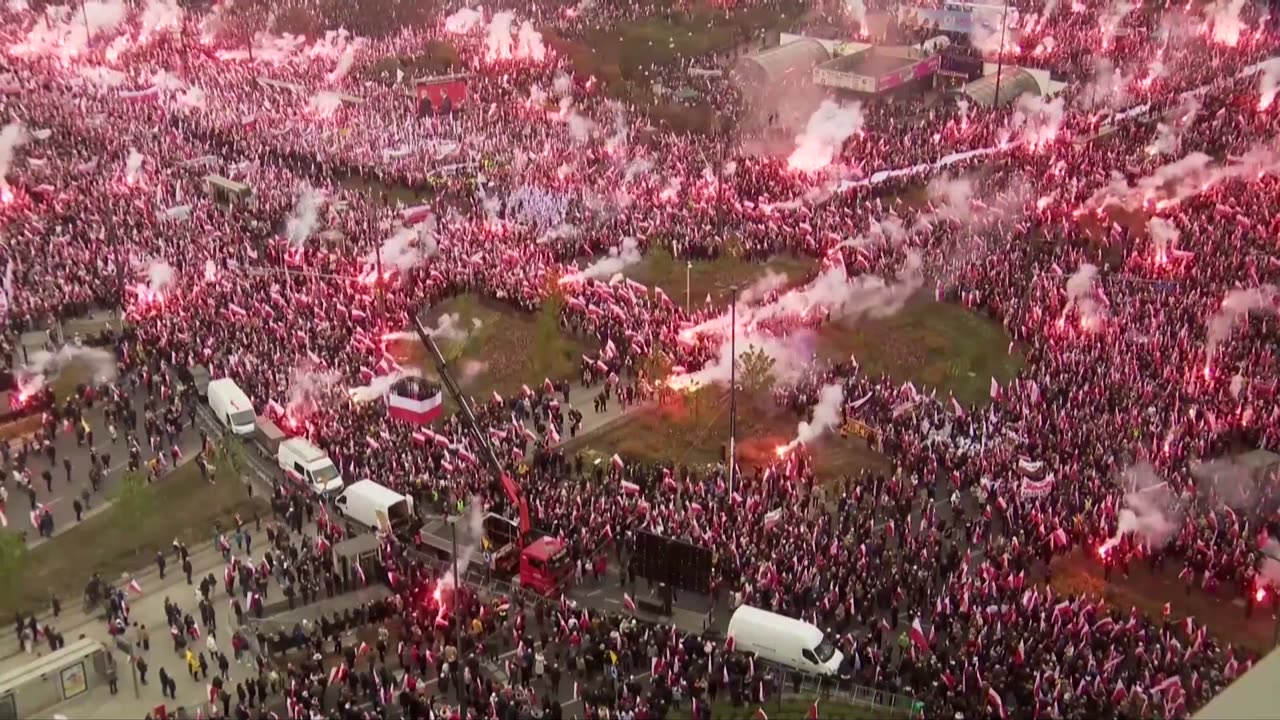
(231, 456)
(755, 371)
(135, 499)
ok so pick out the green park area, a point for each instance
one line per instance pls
(714, 278)
(124, 537)
(506, 348)
(629, 57)
(934, 345)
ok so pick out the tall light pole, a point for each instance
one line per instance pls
(457, 617)
(733, 385)
(1000, 58)
(688, 302)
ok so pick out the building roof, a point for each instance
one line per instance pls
(1013, 82)
(1251, 697)
(789, 62)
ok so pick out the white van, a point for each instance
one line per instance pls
(231, 406)
(783, 640)
(308, 465)
(370, 503)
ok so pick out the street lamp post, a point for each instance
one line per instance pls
(733, 385)
(1000, 59)
(457, 617)
(688, 302)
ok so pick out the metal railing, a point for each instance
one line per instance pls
(888, 704)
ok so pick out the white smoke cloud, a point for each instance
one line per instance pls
(160, 16)
(380, 386)
(1082, 296)
(46, 366)
(498, 44)
(1164, 237)
(464, 20)
(13, 135)
(306, 214)
(623, 256)
(829, 126)
(1037, 120)
(160, 275)
(771, 281)
(1237, 305)
(1151, 510)
(406, 248)
(1268, 82)
(529, 44)
(827, 414)
(1224, 19)
(132, 166)
(308, 388)
(324, 103)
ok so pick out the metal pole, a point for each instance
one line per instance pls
(733, 385)
(688, 300)
(1000, 58)
(382, 309)
(457, 616)
(85, 14)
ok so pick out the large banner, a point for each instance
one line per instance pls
(436, 91)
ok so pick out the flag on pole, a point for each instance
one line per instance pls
(135, 587)
(917, 635)
(628, 603)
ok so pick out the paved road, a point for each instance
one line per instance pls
(59, 501)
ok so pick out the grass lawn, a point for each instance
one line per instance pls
(713, 277)
(789, 708)
(693, 430)
(624, 56)
(509, 347)
(114, 541)
(1148, 590)
(932, 344)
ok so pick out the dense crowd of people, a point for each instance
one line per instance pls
(1140, 284)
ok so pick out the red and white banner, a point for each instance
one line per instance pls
(1036, 488)
(402, 407)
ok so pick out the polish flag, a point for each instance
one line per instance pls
(728, 644)
(413, 402)
(135, 587)
(917, 635)
(616, 461)
(993, 698)
(628, 603)
(813, 710)
(630, 488)
(761, 714)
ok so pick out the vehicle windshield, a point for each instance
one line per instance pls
(242, 417)
(824, 651)
(324, 474)
(558, 562)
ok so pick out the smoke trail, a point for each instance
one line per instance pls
(769, 282)
(192, 98)
(1237, 305)
(406, 248)
(160, 16)
(1110, 19)
(1082, 297)
(46, 366)
(306, 214)
(1268, 82)
(829, 126)
(580, 126)
(132, 165)
(324, 103)
(1036, 120)
(529, 43)
(345, 61)
(307, 387)
(1224, 17)
(470, 536)
(463, 21)
(13, 135)
(498, 41)
(449, 327)
(1234, 481)
(380, 386)
(1151, 510)
(159, 275)
(826, 414)
(625, 255)
(792, 357)
(857, 10)
(1164, 236)
(990, 28)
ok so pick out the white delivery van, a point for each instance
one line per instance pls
(308, 465)
(783, 640)
(231, 406)
(368, 502)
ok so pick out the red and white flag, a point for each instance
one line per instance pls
(628, 603)
(993, 697)
(135, 587)
(918, 636)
